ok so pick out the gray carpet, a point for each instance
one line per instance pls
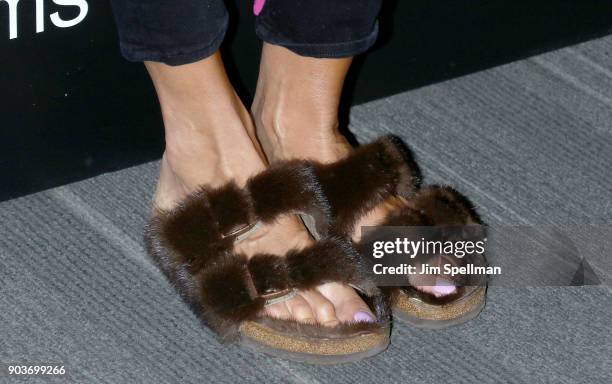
(529, 142)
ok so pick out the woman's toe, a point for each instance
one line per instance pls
(300, 310)
(323, 309)
(278, 311)
(442, 288)
(347, 303)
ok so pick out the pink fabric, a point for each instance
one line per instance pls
(258, 6)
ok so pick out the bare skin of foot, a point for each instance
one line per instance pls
(296, 116)
(210, 139)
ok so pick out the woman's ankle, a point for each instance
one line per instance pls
(292, 135)
(209, 133)
(296, 105)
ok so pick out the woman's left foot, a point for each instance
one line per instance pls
(296, 116)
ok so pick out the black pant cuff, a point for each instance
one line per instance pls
(326, 50)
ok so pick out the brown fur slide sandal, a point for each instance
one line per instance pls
(384, 169)
(193, 245)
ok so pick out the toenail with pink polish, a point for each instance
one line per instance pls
(443, 287)
(363, 317)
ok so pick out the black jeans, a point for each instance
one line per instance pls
(184, 31)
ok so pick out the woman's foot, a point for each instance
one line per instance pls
(296, 116)
(210, 140)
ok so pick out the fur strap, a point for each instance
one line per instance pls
(193, 245)
(204, 226)
(236, 289)
(438, 206)
(365, 178)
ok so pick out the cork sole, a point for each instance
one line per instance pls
(325, 351)
(431, 316)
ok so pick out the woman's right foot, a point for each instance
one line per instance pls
(210, 140)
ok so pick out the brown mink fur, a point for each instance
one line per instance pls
(193, 245)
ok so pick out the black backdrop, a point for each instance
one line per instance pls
(72, 108)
